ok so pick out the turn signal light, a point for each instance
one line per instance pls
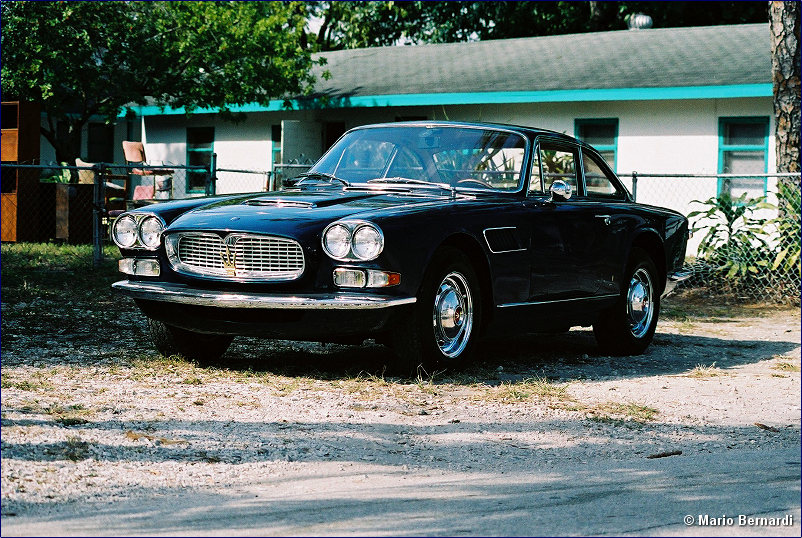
(139, 267)
(346, 277)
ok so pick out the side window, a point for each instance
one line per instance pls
(597, 184)
(558, 163)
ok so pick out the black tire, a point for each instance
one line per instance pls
(200, 347)
(627, 328)
(442, 327)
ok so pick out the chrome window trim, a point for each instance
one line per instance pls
(484, 234)
(171, 244)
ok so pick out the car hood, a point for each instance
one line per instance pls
(289, 212)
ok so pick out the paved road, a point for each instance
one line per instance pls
(640, 497)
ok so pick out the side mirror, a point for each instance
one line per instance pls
(560, 191)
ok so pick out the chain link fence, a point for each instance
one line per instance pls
(746, 231)
(746, 228)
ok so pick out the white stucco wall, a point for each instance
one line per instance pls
(671, 136)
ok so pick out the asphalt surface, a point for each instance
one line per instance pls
(640, 497)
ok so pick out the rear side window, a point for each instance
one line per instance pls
(597, 182)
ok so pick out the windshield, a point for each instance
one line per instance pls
(419, 155)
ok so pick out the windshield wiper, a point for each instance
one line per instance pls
(407, 180)
(323, 175)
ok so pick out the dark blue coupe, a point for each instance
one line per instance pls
(425, 236)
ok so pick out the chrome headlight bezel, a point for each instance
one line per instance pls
(353, 227)
(139, 242)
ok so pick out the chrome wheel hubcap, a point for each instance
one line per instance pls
(640, 307)
(452, 316)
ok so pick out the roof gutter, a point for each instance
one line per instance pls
(471, 98)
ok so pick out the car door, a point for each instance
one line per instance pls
(605, 199)
(562, 232)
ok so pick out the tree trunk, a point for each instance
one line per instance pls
(784, 22)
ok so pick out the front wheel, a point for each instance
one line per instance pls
(628, 327)
(199, 347)
(443, 326)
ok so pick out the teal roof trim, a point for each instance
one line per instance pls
(545, 96)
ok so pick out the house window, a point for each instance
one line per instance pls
(743, 149)
(200, 146)
(275, 137)
(602, 134)
(100, 143)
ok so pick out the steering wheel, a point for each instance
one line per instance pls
(479, 181)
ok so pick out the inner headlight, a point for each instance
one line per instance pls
(150, 232)
(367, 242)
(337, 241)
(124, 232)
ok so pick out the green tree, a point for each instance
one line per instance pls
(84, 60)
(367, 24)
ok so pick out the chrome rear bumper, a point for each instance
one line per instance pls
(179, 293)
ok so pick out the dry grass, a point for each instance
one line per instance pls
(704, 372)
(785, 366)
(617, 413)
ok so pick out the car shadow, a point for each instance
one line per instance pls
(557, 357)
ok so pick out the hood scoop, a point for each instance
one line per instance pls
(271, 202)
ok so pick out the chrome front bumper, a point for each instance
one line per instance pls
(179, 293)
(674, 279)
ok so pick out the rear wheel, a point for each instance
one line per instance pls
(200, 347)
(443, 326)
(628, 327)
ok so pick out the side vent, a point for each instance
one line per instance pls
(502, 240)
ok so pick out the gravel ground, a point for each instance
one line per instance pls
(92, 419)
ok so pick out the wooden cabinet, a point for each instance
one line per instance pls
(19, 144)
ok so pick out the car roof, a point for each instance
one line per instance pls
(530, 132)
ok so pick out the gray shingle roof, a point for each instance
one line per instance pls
(666, 57)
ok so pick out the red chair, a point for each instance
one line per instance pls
(135, 154)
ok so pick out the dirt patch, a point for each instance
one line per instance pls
(92, 418)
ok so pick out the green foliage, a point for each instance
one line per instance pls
(735, 240)
(88, 59)
(370, 24)
(786, 226)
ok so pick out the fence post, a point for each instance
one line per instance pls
(97, 213)
(634, 186)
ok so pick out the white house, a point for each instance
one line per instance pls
(674, 100)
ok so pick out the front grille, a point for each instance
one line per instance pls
(236, 256)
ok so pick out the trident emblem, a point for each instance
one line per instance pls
(229, 261)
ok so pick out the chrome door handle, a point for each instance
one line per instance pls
(606, 219)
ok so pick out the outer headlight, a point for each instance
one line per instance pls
(124, 232)
(150, 232)
(337, 241)
(367, 242)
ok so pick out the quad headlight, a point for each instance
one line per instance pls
(353, 240)
(138, 230)
(124, 231)
(150, 232)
